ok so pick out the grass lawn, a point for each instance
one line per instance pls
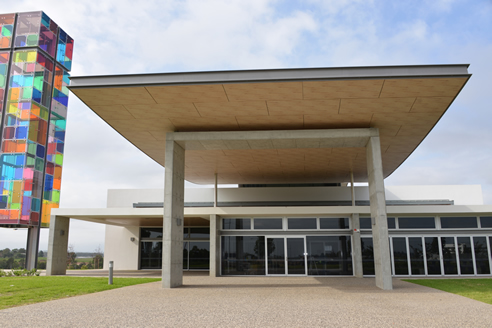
(477, 289)
(16, 291)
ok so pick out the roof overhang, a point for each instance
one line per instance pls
(403, 102)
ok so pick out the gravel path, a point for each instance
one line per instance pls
(255, 302)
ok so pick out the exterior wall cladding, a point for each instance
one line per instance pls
(35, 58)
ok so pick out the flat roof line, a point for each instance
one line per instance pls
(273, 75)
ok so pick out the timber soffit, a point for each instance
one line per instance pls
(404, 102)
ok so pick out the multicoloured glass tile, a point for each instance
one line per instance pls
(33, 100)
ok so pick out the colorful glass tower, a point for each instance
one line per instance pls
(35, 58)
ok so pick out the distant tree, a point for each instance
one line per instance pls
(41, 254)
(71, 258)
(98, 258)
(6, 252)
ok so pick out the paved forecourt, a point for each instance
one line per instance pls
(206, 301)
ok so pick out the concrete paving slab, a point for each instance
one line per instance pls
(258, 301)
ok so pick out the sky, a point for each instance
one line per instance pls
(158, 36)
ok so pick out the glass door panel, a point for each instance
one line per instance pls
(449, 255)
(432, 255)
(199, 255)
(150, 255)
(296, 260)
(400, 255)
(367, 256)
(481, 255)
(416, 255)
(276, 255)
(466, 257)
(329, 255)
(185, 255)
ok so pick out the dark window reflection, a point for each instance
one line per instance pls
(151, 255)
(295, 256)
(185, 255)
(199, 255)
(365, 223)
(243, 255)
(466, 257)
(268, 224)
(449, 255)
(236, 224)
(367, 256)
(486, 221)
(416, 255)
(481, 255)
(276, 255)
(334, 223)
(432, 254)
(199, 233)
(329, 255)
(458, 222)
(416, 223)
(309, 223)
(151, 233)
(400, 255)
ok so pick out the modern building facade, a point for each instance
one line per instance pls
(35, 60)
(291, 139)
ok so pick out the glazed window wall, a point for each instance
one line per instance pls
(287, 223)
(196, 248)
(429, 222)
(436, 255)
(286, 255)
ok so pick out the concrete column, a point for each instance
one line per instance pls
(57, 246)
(357, 247)
(379, 222)
(214, 245)
(216, 192)
(172, 239)
(352, 189)
(32, 247)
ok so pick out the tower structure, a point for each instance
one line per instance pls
(35, 58)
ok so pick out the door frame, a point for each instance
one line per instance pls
(285, 237)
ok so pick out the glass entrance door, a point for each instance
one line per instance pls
(286, 255)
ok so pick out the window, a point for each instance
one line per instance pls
(458, 222)
(334, 223)
(268, 224)
(486, 221)
(417, 223)
(298, 224)
(236, 224)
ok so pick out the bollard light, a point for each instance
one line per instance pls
(110, 280)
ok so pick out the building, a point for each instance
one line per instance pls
(291, 139)
(35, 58)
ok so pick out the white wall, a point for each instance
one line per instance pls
(461, 195)
(120, 249)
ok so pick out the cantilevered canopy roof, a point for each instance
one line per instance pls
(403, 102)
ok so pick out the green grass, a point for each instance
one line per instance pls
(17, 291)
(477, 289)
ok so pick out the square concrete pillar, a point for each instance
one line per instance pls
(379, 222)
(57, 246)
(357, 247)
(32, 247)
(172, 239)
(214, 245)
